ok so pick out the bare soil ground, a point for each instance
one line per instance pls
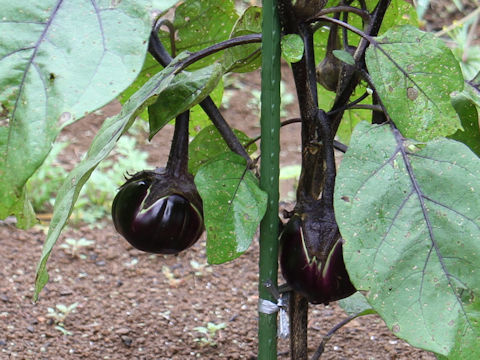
(133, 305)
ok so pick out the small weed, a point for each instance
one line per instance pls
(72, 246)
(209, 333)
(172, 280)
(462, 34)
(59, 315)
(199, 269)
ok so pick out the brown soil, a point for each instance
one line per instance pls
(133, 305)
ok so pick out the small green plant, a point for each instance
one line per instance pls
(200, 269)
(59, 315)
(462, 34)
(73, 246)
(209, 333)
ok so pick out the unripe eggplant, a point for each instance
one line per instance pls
(329, 69)
(155, 214)
(319, 279)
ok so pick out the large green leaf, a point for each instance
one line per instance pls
(58, 61)
(209, 144)
(414, 74)
(467, 111)
(101, 146)
(202, 23)
(410, 215)
(233, 205)
(186, 90)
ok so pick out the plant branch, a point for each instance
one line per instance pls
(349, 105)
(351, 80)
(329, 157)
(458, 23)
(321, 348)
(171, 31)
(336, 144)
(240, 40)
(366, 107)
(342, 8)
(158, 51)
(309, 55)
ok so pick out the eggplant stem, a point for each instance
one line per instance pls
(342, 8)
(329, 157)
(177, 163)
(158, 51)
(236, 41)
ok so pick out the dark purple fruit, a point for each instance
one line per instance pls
(319, 280)
(156, 213)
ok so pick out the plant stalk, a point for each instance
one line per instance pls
(158, 51)
(269, 173)
(177, 163)
(298, 310)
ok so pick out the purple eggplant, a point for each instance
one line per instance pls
(319, 279)
(154, 216)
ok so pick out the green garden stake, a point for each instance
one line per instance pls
(269, 172)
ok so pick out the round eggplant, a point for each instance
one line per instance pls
(156, 218)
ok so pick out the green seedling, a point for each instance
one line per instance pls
(59, 315)
(199, 269)
(209, 333)
(73, 246)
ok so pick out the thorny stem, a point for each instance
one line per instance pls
(158, 51)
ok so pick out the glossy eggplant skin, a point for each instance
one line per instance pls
(165, 224)
(319, 281)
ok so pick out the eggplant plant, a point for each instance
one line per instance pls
(390, 229)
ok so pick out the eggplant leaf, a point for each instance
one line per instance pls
(414, 74)
(233, 205)
(58, 61)
(410, 215)
(186, 90)
(209, 144)
(199, 24)
(467, 111)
